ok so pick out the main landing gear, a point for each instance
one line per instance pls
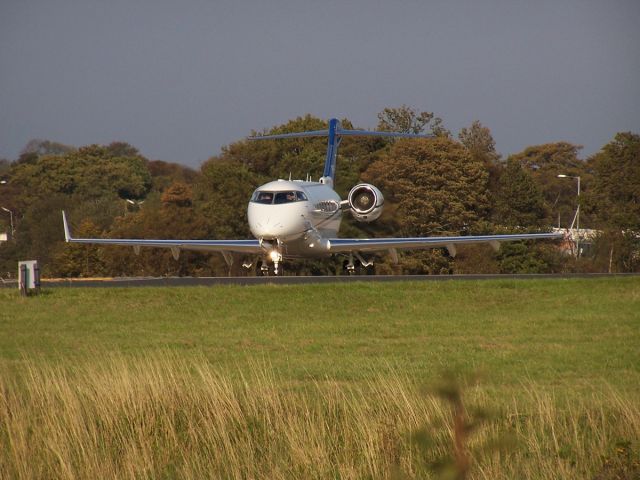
(358, 265)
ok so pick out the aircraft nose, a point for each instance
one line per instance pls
(269, 224)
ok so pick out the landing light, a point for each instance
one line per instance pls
(275, 256)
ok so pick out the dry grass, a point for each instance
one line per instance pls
(163, 416)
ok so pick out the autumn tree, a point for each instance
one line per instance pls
(223, 191)
(433, 186)
(544, 163)
(518, 200)
(90, 172)
(616, 186)
(614, 200)
(477, 139)
(173, 216)
(37, 147)
(405, 119)
(79, 260)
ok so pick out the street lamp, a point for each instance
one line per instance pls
(11, 217)
(576, 219)
(131, 202)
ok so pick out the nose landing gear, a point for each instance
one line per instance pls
(270, 265)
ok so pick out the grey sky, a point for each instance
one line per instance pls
(179, 79)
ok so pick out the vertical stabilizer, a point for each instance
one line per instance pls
(333, 142)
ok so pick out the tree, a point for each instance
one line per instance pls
(518, 200)
(435, 183)
(616, 185)
(223, 191)
(79, 260)
(544, 163)
(172, 217)
(178, 194)
(615, 202)
(90, 172)
(477, 139)
(37, 147)
(405, 119)
(431, 186)
(163, 174)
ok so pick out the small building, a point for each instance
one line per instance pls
(574, 239)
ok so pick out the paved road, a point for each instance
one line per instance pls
(194, 281)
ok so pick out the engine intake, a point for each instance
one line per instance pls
(366, 202)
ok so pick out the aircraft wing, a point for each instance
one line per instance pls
(240, 246)
(338, 245)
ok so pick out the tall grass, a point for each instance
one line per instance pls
(162, 416)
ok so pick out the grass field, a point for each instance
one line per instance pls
(324, 381)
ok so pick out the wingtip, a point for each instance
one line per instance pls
(67, 233)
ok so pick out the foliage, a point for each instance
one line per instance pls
(80, 260)
(223, 191)
(431, 187)
(434, 182)
(616, 183)
(478, 140)
(518, 200)
(545, 163)
(90, 172)
(405, 119)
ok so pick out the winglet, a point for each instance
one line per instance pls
(67, 233)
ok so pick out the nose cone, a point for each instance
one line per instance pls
(276, 221)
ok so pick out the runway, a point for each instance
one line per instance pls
(212, 281)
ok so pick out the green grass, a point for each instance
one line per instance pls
(553, 332)
(323, 381)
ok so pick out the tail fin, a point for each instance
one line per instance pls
(335, 132)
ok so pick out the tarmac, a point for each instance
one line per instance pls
(289, 280)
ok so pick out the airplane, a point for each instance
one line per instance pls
(300, 219)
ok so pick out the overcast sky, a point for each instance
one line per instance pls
(180, 79)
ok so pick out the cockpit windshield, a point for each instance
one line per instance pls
(276, 198)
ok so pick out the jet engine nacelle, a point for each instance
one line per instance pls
(366, 202)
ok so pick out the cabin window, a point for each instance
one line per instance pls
(285, 197)
(277, 198)
(262, 197)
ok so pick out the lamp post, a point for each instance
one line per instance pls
(11, 217)
(577, 217)
(131, 202)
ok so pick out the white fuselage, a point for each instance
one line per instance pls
(295, 216)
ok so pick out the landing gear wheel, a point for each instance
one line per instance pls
(349, 267)
(262, 269)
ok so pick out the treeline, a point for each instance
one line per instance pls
(446, 185)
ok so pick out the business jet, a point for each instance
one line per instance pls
(301, 219)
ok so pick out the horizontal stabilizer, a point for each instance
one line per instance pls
(310, 133)
(334, 134)
(367, 133)
(340, 132)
